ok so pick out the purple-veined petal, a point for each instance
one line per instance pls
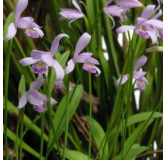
(140, 85)
(156, 23)
(82, 58)
(76, 5)
(82, 43)
(38, 83)
(98, 71)
(53, 101)
(70, 66)
(28, 61)
(108, 2)
(153, 37)
(36, 54)
(21, 5)
(124, 80)
(23, 101)
(70, 13)
(125, 28)
(47, 59)
(12, 30)
(59, 70)
(140, 62)
(55, 43)
(24, 22)
(129, 3)
(139, 74)
(35, 98)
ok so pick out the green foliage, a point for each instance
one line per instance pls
(119, 130)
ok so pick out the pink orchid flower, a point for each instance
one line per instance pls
(71, 14)
(120, 9)
(85, 58)
(34, 97)
(137, 75)
(32, 29)
(41, 60)
(147, 26)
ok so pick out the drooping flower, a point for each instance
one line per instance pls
(41, 60)
(141, 81)
(27, 23)
(85, 58)
(120, 9)
(71, 14)
(34, 97)
(147, 26)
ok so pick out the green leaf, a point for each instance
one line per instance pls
(133, 153)
(134, 119)
(8, 21)
(62, 59)
(75, 155)
(26, 147)
(96, 128)
(22, 86)
(59, 118)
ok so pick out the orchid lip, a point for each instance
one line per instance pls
(89, 67)
(39, 68)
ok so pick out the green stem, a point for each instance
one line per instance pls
(42, 134)
(21, 131)
(67, 117)
(7, 66)
(17, 134)
(90, 114)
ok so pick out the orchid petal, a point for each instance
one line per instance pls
(28, 61)
(153, 37)
(140, 62)
(47, 58)
(70, 66)
(124, 80)
(12, 30)
(139, 74)
(125, 28)
(71, 21)
(53, 101)
(76, 5)
(129, 3)
(144, 80)
(36, 54)
(82, 58)
(55, 43)
(38, 83)
(21, 5)
(23, 101)
(156, 23)
(148, 11)
(98, 71)
(82, 43)
(158, 14)
(93, 61)
(111, 19)
(39, 31)
(36, 98)
(59, 70)
(24, 22)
